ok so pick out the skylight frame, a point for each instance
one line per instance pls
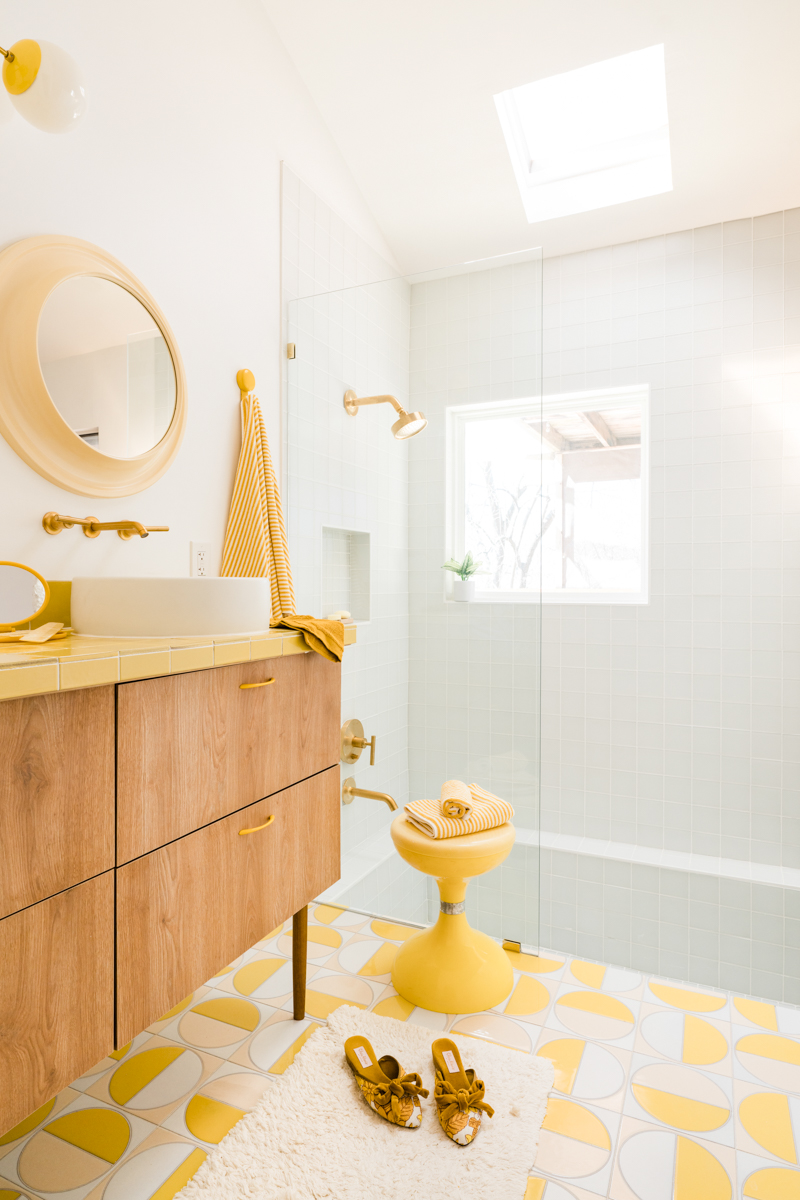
(590, 138)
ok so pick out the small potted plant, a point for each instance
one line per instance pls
(464, 586)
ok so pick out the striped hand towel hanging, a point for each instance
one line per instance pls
(255, 540)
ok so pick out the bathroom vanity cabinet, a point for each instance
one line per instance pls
(151, 832)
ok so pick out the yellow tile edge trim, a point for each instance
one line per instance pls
(82, 662)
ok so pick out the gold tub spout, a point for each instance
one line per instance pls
(350, 791)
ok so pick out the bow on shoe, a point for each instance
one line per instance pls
(450, 1101)
(409, 1084)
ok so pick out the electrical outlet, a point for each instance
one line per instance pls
(200, 558)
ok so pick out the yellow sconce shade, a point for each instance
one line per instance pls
(44, 85)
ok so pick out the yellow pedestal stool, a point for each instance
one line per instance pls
(452, 967)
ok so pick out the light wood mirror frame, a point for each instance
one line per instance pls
(29, 420)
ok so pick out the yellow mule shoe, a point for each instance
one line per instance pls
(393, 1094)
(458, 1094)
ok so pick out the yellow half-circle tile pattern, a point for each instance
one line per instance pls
(123, 1050)
(395, 933)
(381, 961)
(591, 974)
(181, 1176)
(698, 1174)
(331, 991)
(240, 1013)
(140, 1070)
(173, 1012)
(394, 1006)
(604, 1006)
(576, 1122)
(565, 1055)
(773, 1183)
(702, 1043)
(287, 1058)
(767, 1046)
(767, 1118)
(253, 974)
(528, 998)
(531, 964)
(682, 998)
(98, 1131)
(681, 1098)
(324, 936)
(28, 1124)
(328, 913)
(209, 1119)
(680, 1111)
(7, 1194)
(758, 1011)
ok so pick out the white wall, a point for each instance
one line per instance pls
(176, 171)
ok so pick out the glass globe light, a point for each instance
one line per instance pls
(45, 86)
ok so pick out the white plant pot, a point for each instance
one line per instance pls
(464, 589)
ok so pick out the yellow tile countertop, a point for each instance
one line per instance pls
(78, 661)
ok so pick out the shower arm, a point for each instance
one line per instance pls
(352, 403)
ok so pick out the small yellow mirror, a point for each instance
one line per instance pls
(24, 594)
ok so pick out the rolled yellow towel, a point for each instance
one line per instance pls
(488, 811)
(456, 799)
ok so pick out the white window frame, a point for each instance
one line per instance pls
(457, 416)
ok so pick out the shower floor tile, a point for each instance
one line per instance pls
(663, 1091)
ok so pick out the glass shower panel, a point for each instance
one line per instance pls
(450, 688)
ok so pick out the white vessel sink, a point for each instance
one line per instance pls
(141, 607)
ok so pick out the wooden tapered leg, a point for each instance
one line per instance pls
(299, 952)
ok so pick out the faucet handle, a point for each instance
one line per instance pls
(353, 742)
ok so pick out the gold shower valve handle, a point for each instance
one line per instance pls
(362, 744)
(245, 686)
(257, 828)
(353, 742)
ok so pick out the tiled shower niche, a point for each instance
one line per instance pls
(345, 572)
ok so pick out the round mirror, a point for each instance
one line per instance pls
(24, 594)
(107, 366)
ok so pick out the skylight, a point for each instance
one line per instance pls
(590, 138)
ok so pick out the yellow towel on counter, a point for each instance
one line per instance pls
(488, 811)
(456, 799)
(326, 637)
(255, 540)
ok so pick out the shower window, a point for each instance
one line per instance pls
(552, 494)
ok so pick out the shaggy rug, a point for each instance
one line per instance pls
(313, 1137)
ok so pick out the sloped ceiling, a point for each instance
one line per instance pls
(406, 88)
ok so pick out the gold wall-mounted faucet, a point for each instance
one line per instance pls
(350, 791)
(54, 522)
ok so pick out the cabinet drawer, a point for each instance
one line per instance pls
(193, 748)
(56, 793)
(57, 998)
(188, 909)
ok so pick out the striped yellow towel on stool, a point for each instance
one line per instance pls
(488, 811)
(255, 540)
(456, 799)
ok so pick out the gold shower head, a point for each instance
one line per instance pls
(407, 424)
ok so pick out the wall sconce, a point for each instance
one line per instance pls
(44, 85)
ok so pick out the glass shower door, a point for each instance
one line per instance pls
(451, 689)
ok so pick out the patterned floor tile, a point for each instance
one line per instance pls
(663, 1091)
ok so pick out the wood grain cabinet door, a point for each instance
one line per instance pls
(57, 995)
(56, 793)
(186, 910)
(193, 748)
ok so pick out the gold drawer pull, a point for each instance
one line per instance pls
(256, 828)
(252, 685)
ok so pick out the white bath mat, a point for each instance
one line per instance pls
(313, 1137)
